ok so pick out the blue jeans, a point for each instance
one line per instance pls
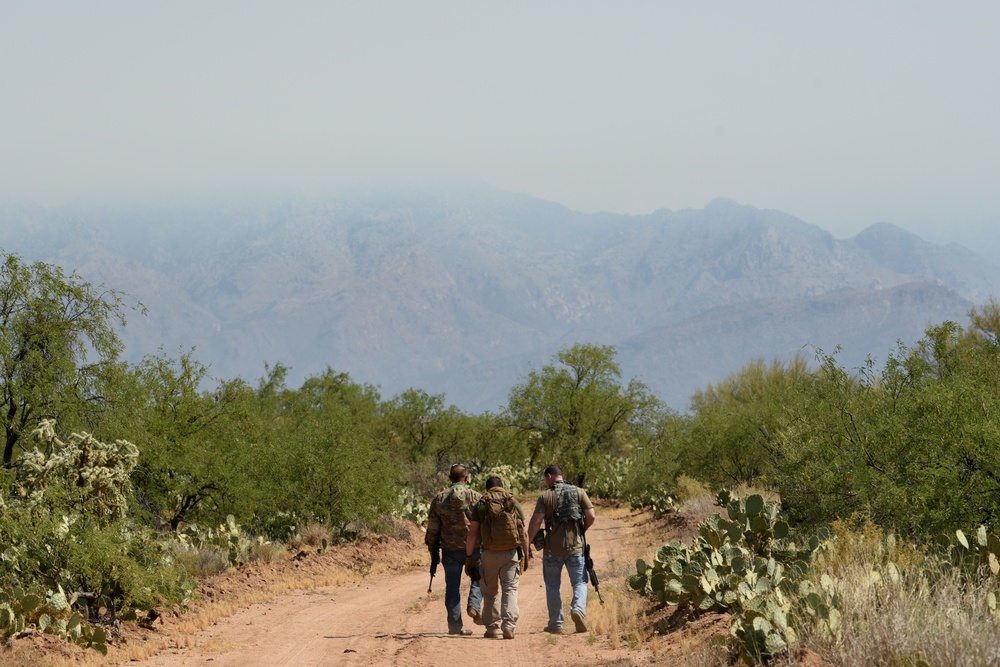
(454, 566)
(552, 575)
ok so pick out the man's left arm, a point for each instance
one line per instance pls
(471, 539)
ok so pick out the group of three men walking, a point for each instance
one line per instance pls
(487, 536)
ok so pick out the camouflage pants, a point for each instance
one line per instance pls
(500, 576)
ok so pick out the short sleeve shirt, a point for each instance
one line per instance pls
(563, 539)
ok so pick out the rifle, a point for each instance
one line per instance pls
(435, 559)
(588, 564)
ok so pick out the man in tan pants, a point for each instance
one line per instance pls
(498, 520)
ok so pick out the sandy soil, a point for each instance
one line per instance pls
(390, 620)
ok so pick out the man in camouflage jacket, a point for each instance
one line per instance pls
(448, 526)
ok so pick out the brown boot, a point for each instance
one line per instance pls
(474, 614)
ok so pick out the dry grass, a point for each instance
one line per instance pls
(312, 535)
(698, 508)
(202, 563)
(926, 614)
(266, 552)
(623, 621)
(688, 487)
(890, 620)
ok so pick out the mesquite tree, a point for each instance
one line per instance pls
(59, 344)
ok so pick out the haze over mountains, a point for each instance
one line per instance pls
(463, 290)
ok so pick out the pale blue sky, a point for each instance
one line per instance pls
(842, 113)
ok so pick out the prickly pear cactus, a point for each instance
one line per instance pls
(746, 563)
(656, 498)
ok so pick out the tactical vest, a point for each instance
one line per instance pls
(567, 512)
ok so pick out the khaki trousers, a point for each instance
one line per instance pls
(500, 574)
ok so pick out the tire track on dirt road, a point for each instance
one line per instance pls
(390, 620)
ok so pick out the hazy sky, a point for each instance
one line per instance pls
(841, 113)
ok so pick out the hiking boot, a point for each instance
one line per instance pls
(508, 634)
(579, 622)
(463, 632)
(553, 629)
(491, 633)
(474, 614)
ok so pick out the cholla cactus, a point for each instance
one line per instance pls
(97, 471)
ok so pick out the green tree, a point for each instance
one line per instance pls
(740, 423)
(194, 442)
(323, 458)
(576, 411)
(59, 343)
(912, 445)
(416, 421)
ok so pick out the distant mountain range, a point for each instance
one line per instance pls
(462, 291)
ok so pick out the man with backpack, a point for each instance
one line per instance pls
(447, 528)
(498, 521)
(566, 512)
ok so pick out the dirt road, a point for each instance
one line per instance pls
(390, 620)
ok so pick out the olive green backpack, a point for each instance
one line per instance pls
(501, 525)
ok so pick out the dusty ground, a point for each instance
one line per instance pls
(389, 619)
(367, 604)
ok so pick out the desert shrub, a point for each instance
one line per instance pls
(910, 442)
(65, 526)
(279, 527)
(688, 488)
(229, 538)
(265, 552)
(315, 534)
(205, 551)
(200, 563)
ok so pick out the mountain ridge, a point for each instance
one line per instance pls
(461, 291)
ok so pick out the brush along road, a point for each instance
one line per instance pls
(389, 620)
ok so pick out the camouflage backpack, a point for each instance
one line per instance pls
(456, 511)
(501, 526)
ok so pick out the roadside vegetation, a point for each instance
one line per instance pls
(857, 509)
